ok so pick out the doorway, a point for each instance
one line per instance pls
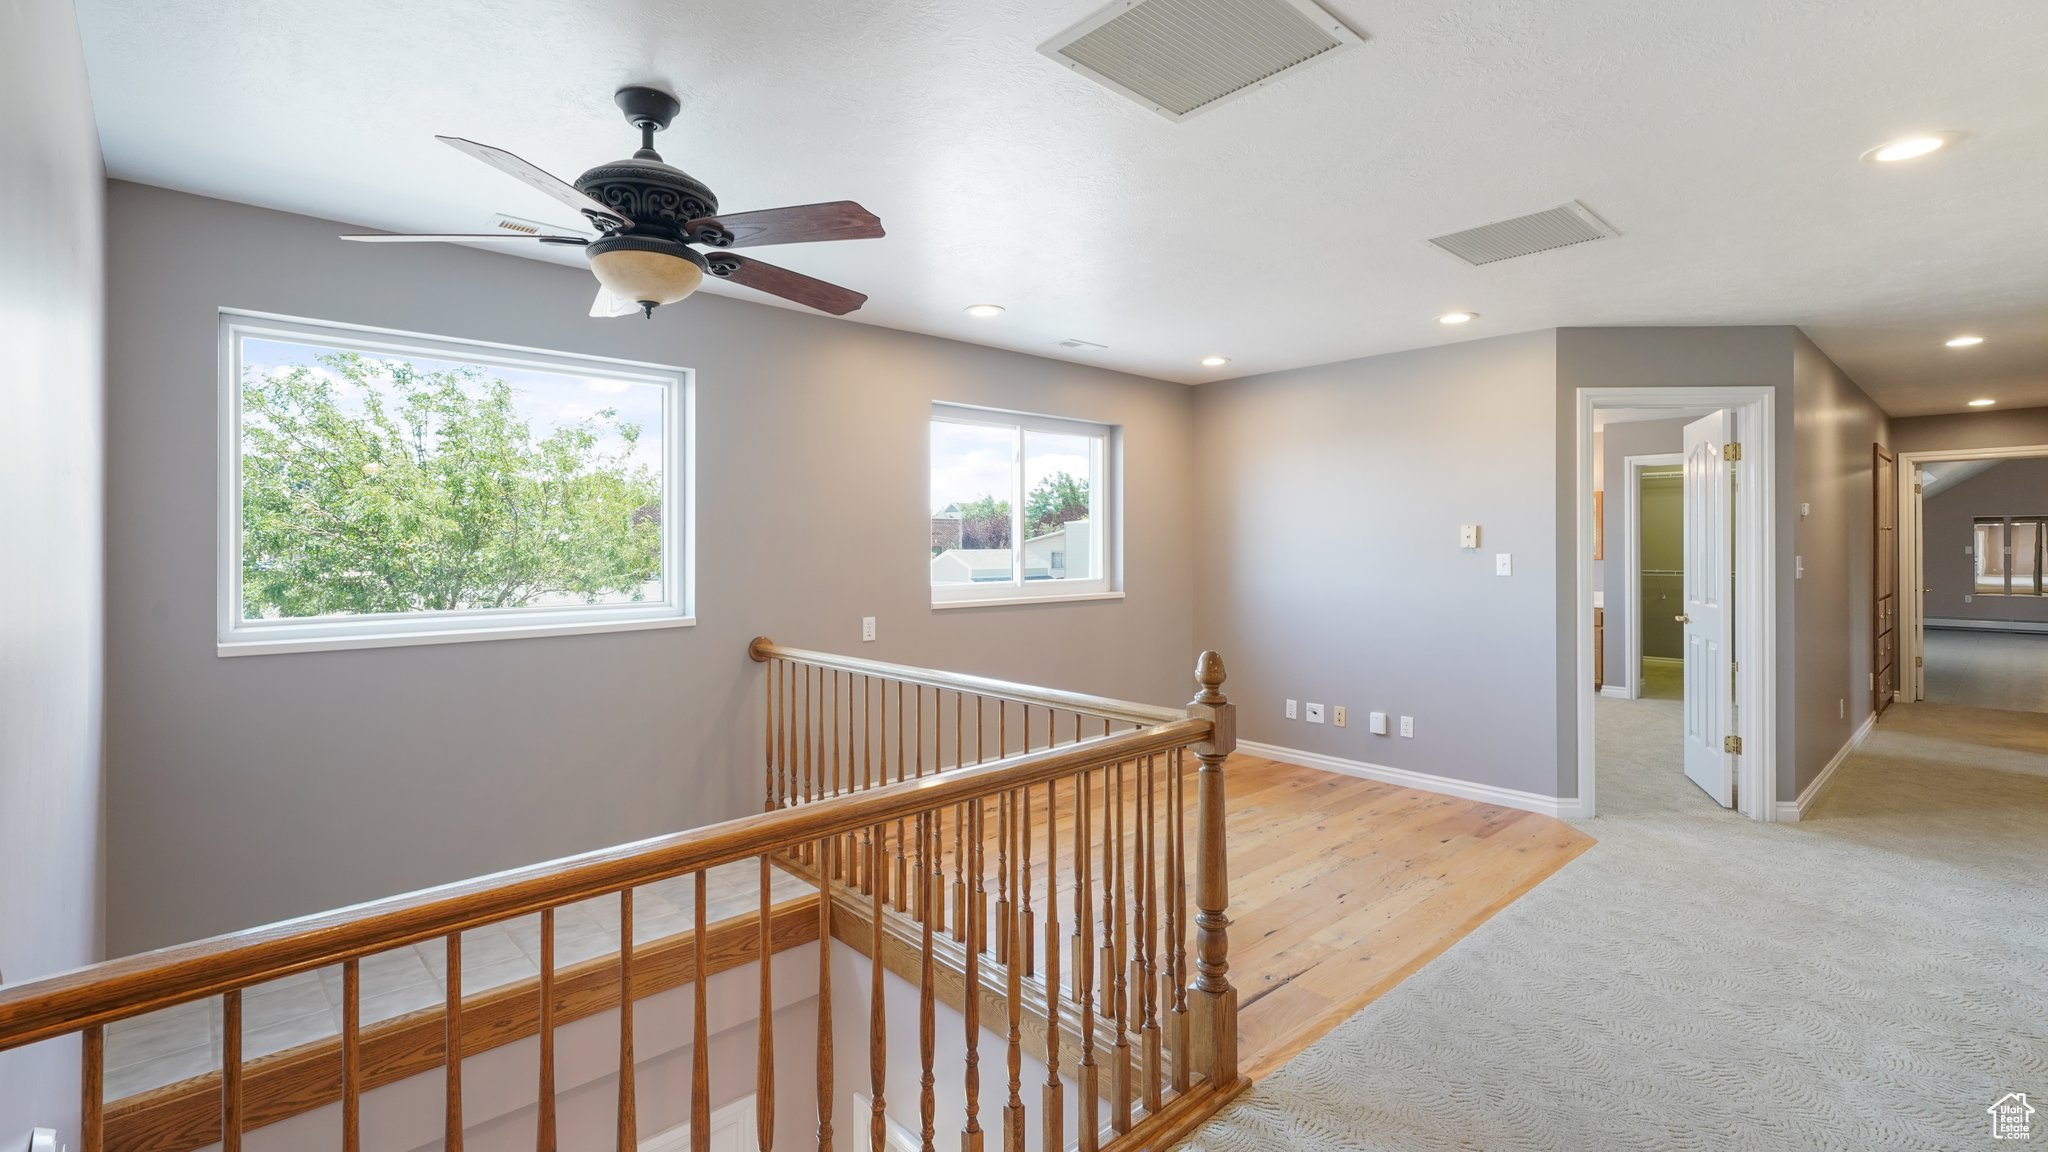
(1973, 614)
(1729, 595)
(1653, 527)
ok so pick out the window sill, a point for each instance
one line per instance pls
(268, 646)
(1013, 601)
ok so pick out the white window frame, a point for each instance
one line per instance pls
(676, 608)
(1104, 503)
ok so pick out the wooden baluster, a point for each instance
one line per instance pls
(351, 1055)
(960, 911)
(1024, 933)
(977, 929)
(902, 871)
(1120, 998)
(1005, 814)
(932, 892)
(768, 742)
(848, 857)
(1176, 919)
(878, 1043)
(1148, 932)
(1089, 1085)
(1215, 1001)
(1013, 984)
(764, 1043)
(629, 1127)
(1105, 964)
(825, 1094)
(927, 1023)
(864, 875)
(1053, 1109)
(231, 1074)
(92, 1079)
(700, 1025)
(545, 1122)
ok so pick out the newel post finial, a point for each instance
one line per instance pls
(1209, 675)
(758, 649)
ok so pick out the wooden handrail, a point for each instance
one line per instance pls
(763, 649)
(73, 1001)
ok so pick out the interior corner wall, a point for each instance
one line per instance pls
(246, 790)
(1667, 358)
(1618, 442)
(52, 434)
(1330, 567)
(1837, 428)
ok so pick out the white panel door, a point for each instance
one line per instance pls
(1709, 618)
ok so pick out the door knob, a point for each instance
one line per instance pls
(1683, 619)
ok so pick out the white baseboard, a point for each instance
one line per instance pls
(1962, 625)
(1791, 810)
(1562, 807)
(1616, 692)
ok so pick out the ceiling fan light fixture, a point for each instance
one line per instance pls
(646, 271)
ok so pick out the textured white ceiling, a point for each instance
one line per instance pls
(1283, 229)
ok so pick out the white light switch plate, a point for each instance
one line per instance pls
(1290, 709)
(1408, 726)
(1503, 564)
(867, 628)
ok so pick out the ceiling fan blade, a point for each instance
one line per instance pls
(805, 290)
(802, 224)
(459, 238)
(536, 178)
(607, 305)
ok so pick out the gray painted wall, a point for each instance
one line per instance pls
(1331, 571)
(1619, 441)
(239, 787)
(1837, 426)
(52, 435)
(1666, 358)
(1990, 428)
(2014, 488)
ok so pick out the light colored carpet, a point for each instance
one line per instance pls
(1873, 977)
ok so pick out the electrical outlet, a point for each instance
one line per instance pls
(1315, 713)
(1337, 716)
(867, 628)
(1290, 709)
(1503, 564)
(1468, 536)
(1408, 726)
(1376, 723)
(1968, 598)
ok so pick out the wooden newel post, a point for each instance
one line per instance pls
(1211, 999)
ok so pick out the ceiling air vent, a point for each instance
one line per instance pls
(1078, 345)
(1558, 227)
(1180, 57)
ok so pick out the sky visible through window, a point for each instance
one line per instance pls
(970, 461)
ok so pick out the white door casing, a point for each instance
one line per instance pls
(1709, 623)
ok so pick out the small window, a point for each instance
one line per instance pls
(1021, 507)
(383, 488)
(2009, 555)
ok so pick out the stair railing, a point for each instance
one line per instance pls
(1115, 796)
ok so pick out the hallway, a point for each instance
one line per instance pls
(1872, 977)
(2001, 670)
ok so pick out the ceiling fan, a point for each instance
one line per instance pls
(649, 216)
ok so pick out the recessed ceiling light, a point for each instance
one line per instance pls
(984, 310)
(1457, 317)
(1215, 361)
(1910, 147)
(1982, 403)
(1965, 341)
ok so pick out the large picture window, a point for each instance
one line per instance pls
(2009, 557)
(1021, 507)
(384, 488)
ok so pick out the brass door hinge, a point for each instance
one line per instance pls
(1732, 745)
(1917, 490)
(1731, 451)
(1919, 662)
